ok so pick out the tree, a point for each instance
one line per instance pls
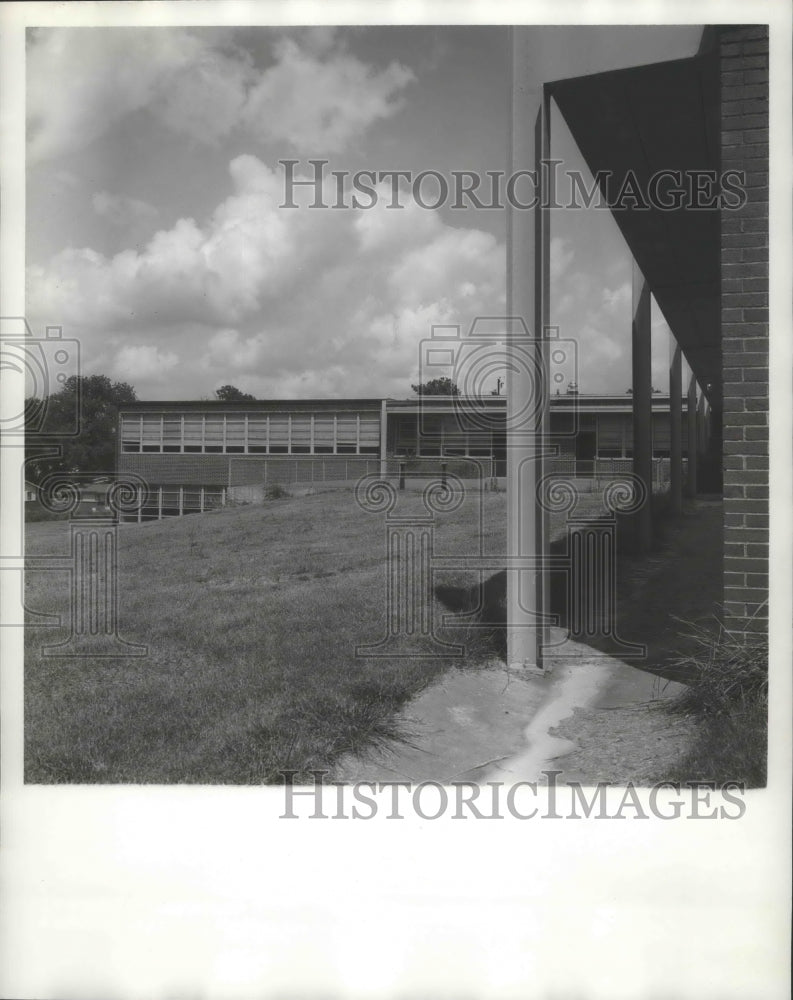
(230, 393)
(87, 404)
(437, 387)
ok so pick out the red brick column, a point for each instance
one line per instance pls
(744, 315)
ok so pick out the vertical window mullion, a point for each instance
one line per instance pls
(289, 433)
(311, 435)
(335, 433)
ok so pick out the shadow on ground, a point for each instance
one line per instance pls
(678, 582)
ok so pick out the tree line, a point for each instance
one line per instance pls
(74, 430)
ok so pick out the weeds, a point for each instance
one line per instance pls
(726, 668)
(275, 491)
(728, 690)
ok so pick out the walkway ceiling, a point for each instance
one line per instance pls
(662, 116)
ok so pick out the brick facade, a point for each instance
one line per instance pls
(177, 470)
(743, 55)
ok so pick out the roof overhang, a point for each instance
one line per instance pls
(647, 119)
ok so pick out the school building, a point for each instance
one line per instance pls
(199, 454)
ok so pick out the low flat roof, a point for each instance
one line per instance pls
(583, 402)
(253, 404)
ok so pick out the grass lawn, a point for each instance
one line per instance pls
(251, 616)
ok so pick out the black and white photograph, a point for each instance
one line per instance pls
(396, 430)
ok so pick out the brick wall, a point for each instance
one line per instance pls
(177, 470)
(744, 315)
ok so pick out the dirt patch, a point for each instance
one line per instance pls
(679, 582)
(639, 743)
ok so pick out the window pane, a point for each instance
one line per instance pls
(152, 429)
(370, 429)
(610, 432)
(193, 431)
(172, 431)
(346, 429)
(406, 431)
(279, 431)
(323, 430)
(451, 425)
(130, 429)
(213, 430)
(457, 442)
(257, 431)
(235, 430)
(301, 429)
(431, 424)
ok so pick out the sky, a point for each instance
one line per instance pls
(156, 233)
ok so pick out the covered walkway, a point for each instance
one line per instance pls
(678, 151)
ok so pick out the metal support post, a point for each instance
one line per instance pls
(676, 431)
(641, 353)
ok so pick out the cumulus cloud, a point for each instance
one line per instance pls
(320, 105)
(82, 81)
(123, 211)
(136, 362)
(618, 299)
(597, 317)
(281, 301)
(211, 273)
(562, 255)
(229, 349)
(205, 98)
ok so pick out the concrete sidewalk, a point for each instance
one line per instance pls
(493, 724)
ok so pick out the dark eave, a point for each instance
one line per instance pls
(662, 116)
